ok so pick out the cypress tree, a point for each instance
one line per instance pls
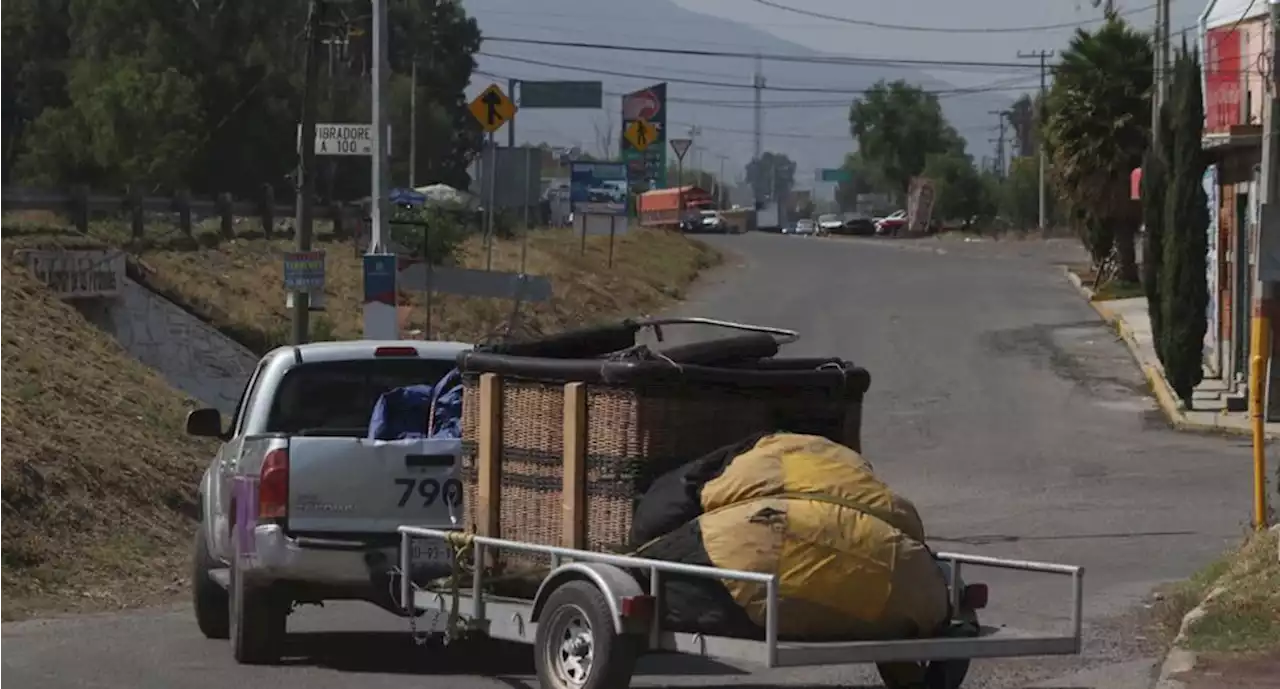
(1184, 291)
(1155, 180)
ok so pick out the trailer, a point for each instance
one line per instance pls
(591, 618)
(666, 208)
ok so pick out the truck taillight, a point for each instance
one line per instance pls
(273, 485)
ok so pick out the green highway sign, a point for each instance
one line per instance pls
(561, 94)
(834, 174)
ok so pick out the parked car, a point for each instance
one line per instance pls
(855, 224)
(804, 226)
(829, 222)
(300, 506)
(892, 223)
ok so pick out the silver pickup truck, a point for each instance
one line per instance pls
(300, 506)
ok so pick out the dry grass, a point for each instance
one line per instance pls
(236, 286)
(1245, 616)
(1176, 600)
(99, 481)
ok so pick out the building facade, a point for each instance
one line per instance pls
(1235, 48)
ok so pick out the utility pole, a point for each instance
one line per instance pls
(512, 84)
(1160, 53)
(757, 83)
(307, 162)
(720, 197)
(1001, 115)
(1044, 163)
(413, 123)
(694, 132)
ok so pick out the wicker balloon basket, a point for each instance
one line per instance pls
(557, 451)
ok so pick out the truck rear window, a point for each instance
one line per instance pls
(337, 398)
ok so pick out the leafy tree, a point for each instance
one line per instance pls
(35, 45)
(1019, 198)
(960, 193)
(897, 127)
(1184, 292)
(1099, 111)
(864, 178)
(1155, 183)
(207, 95)
(773, 176)
(1024, 115)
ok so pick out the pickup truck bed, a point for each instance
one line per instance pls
(300, 505)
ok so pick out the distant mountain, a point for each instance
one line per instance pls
(815, 135)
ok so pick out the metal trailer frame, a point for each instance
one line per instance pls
(517, 619)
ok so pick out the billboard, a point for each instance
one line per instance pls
(1222, 74)
(648, 167)
(598, 188)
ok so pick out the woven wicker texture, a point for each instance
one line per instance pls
(634, 434)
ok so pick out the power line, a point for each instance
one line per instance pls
(726, 84)
(805, 59)
(940, 29)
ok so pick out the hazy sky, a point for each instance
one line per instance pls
(837, 37)
(817, 135)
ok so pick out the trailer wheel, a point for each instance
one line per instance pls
(934, 674)
(576, 647)
(257, 615)
(208, 597)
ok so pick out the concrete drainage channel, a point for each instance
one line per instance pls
(192, 355)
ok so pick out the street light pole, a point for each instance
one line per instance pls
(306, 163)
(381, 165)
(413, 124)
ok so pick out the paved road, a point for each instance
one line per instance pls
(1000, 404)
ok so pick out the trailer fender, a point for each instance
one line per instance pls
(613, 582)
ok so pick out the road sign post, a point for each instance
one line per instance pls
(492, 109)
(680, 146)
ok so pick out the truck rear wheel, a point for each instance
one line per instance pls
(258, 617)
(208, 597)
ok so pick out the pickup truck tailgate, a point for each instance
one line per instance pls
(373, 486)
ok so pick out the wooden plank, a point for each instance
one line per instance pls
(489, 457)
(573, 531)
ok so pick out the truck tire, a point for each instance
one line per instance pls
(209, 598)
(576, 646)
(257, 615)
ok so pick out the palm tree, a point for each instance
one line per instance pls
(1099, 114)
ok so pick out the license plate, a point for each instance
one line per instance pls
(429, 551)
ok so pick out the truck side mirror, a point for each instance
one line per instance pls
(204, 423)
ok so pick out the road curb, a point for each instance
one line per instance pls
(1160, 389)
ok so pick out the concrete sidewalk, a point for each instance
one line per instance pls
(1130, 318)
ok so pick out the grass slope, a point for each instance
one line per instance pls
(99, 481)
(236, 285)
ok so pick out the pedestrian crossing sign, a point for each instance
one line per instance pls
(641, 134)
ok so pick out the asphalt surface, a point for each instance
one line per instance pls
(1000, 404)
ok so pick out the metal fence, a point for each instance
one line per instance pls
(80, 204)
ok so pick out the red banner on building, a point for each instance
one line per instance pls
(1223, 73)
